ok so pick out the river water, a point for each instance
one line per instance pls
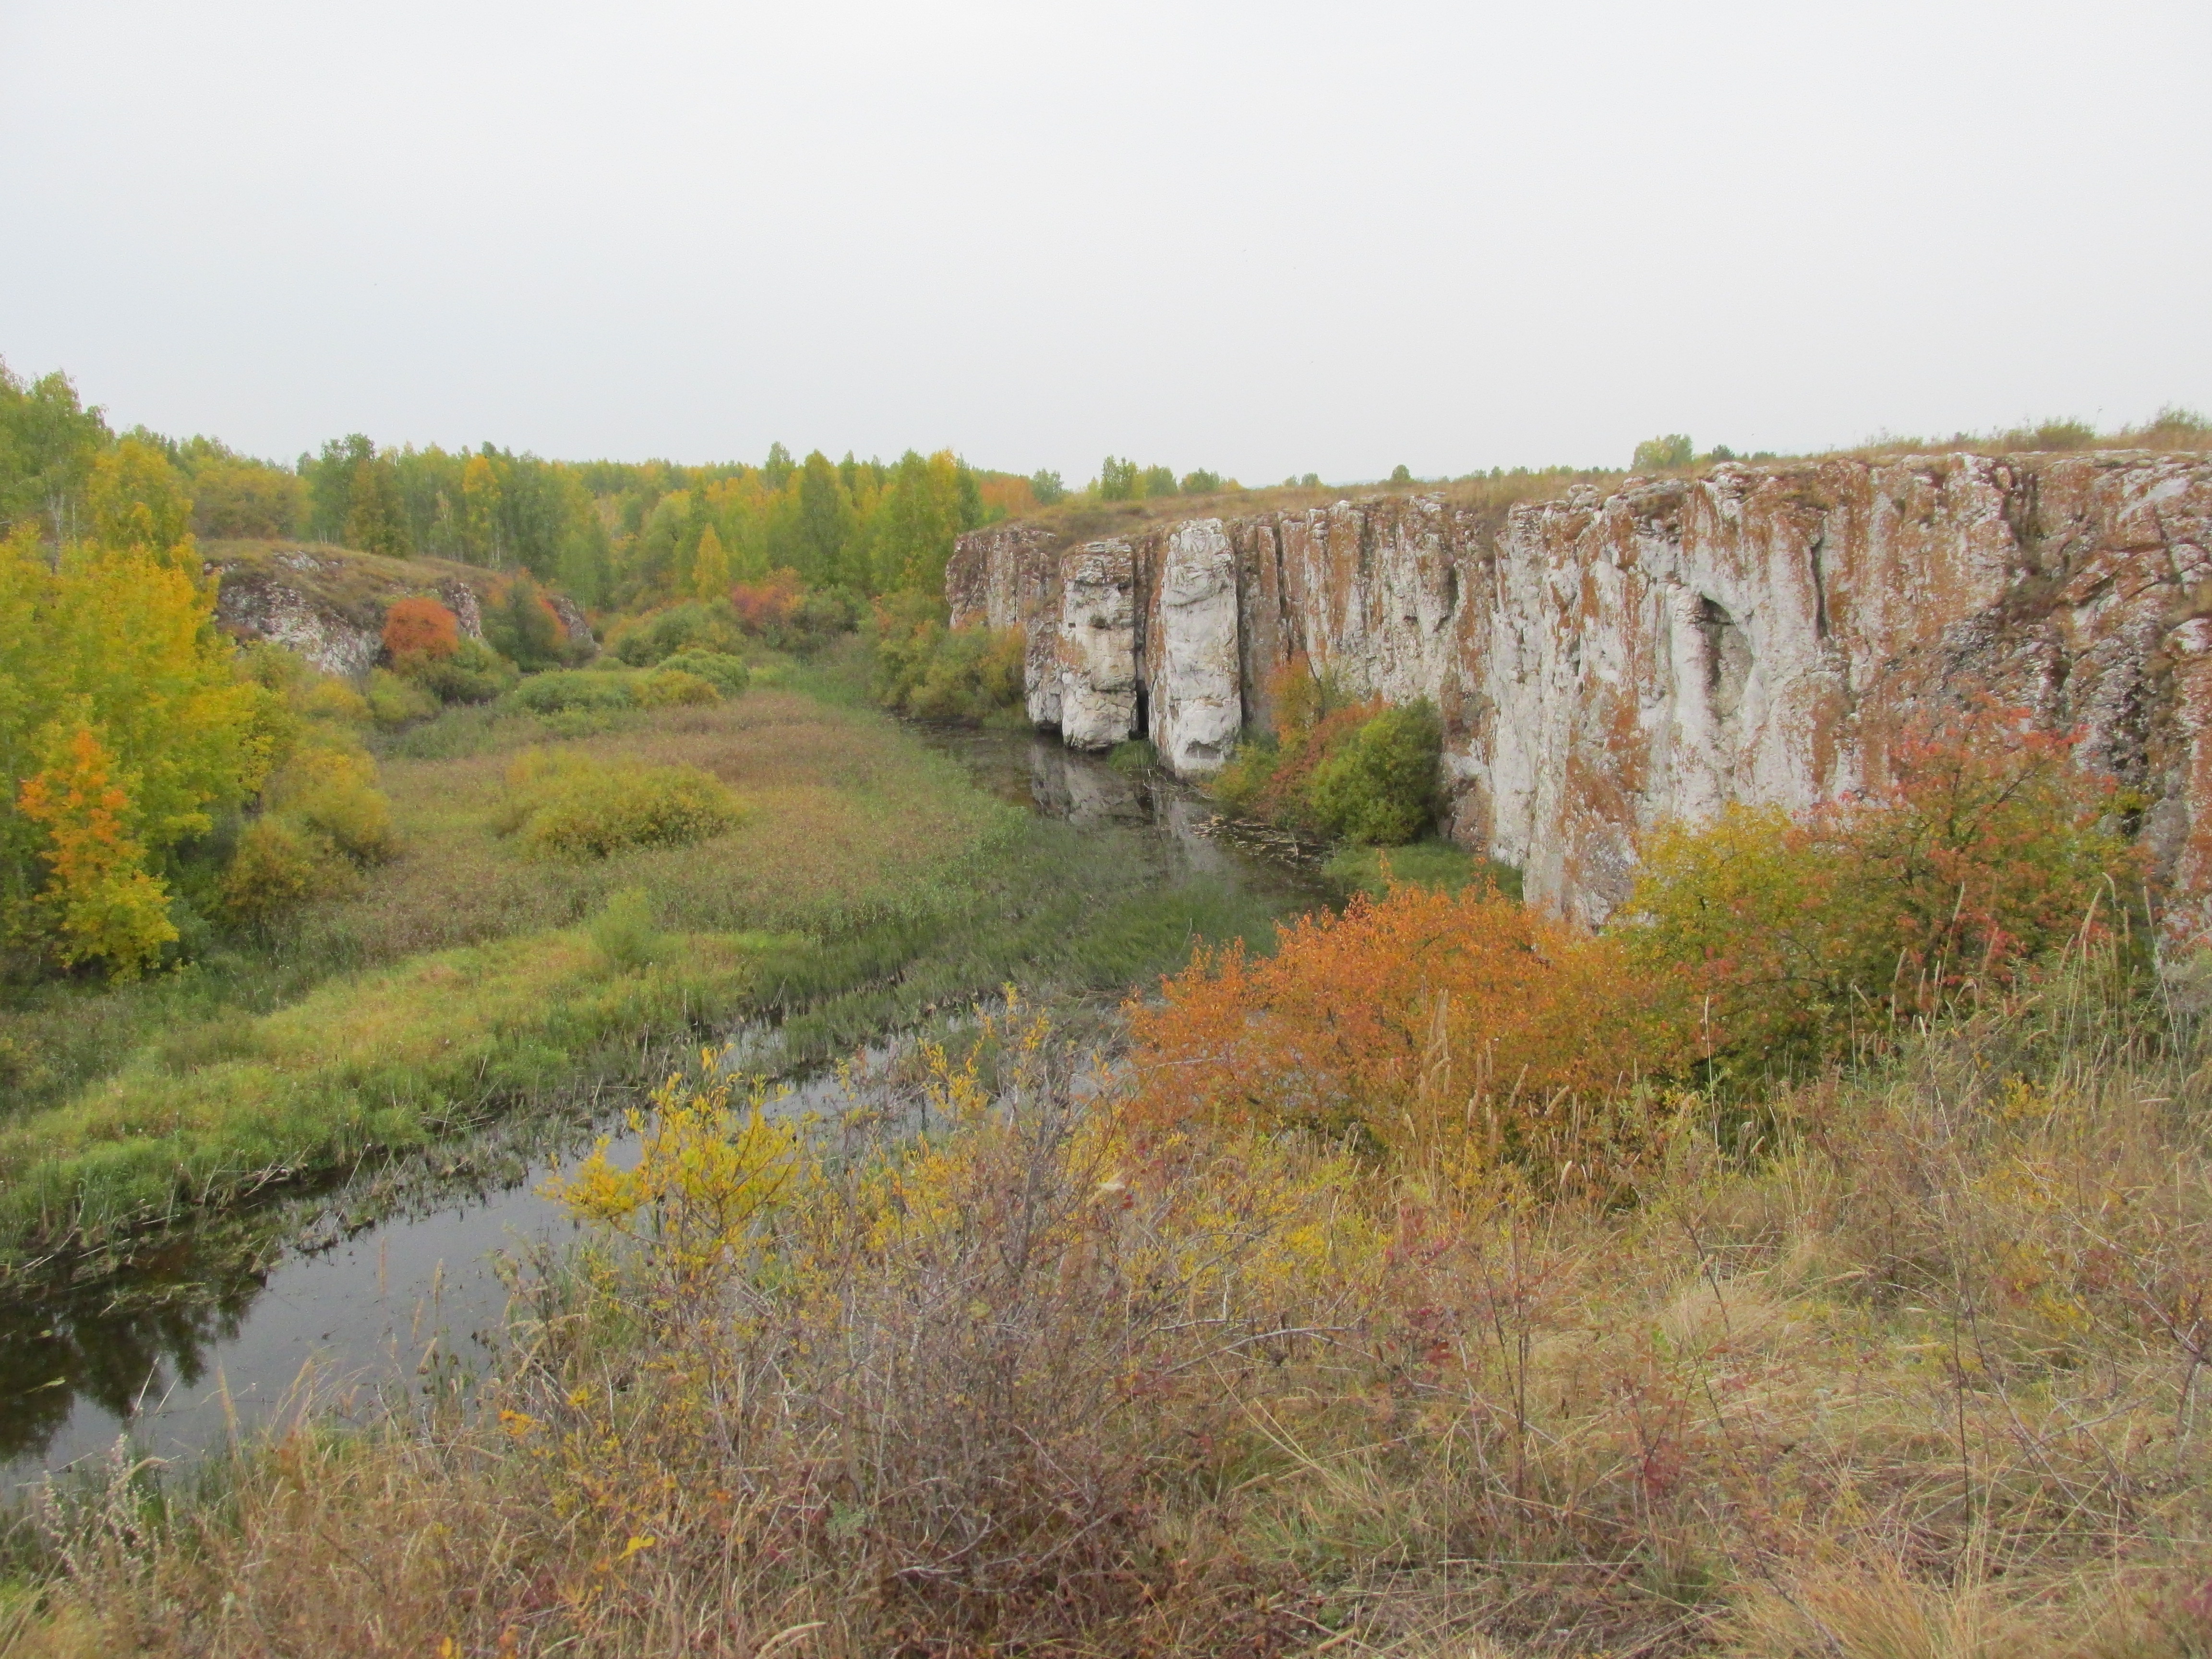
(181, 1358)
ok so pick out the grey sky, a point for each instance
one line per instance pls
(1265, 238)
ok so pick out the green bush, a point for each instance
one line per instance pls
(671, 688)
(933, 672)
(473, 673)
(568, 807)
(281, 864)
(1137, 755)
(726, 673)
(394, 700)
(588, 689)
(1380, 788)
(624, 932)
(708, 625)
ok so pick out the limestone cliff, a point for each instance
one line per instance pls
(1755, 634)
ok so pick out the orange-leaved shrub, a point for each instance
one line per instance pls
(1986, 849)
(1463, 1031)
(420, 627)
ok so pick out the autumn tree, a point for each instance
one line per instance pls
(137, 500)
(124, 726)
(710, 567)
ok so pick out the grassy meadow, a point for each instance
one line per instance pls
(867, 883)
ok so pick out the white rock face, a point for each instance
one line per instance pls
(1096, 662)
(1762, 634)
(1197, 699)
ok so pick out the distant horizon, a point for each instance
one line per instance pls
(1074, 484)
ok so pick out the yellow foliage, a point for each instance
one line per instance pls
(708, 1171)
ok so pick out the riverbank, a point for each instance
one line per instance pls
(1912, 1373)
(868, 884)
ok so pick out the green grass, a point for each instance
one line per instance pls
(868, 886)
(1423, 864)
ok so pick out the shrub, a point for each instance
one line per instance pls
(624, 932)
(670, 688)
(471, 672)
(1136, 756)
(1986, 850)
(571, 807)
(767, 604)
(1380, 787)
(693, 625)
(394, 701)
(727, 674)
(523, 628)
(333, 792)
(932, 672)
(280, 866)
(420, 627)
(335, 701)
(1664, 454)
(586, 688)
(1459, 1030)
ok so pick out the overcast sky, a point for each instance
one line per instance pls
(1263, 238)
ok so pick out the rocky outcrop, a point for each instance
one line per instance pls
(1757, 633)
(328, 604)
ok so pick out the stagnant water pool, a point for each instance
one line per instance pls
(182, 1356)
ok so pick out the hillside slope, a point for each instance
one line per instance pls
(328, 603)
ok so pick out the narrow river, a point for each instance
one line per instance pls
(177, 1361)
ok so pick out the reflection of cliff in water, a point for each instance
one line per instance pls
(1036, 770)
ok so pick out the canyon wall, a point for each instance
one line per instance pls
(1758, 633)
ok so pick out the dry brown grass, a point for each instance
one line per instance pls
(1919, 1378)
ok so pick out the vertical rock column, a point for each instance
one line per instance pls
(1197, 700)
(1096, 660)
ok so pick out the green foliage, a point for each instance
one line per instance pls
(567, 805)
(376, 514)
(1135, 756)
(1664, 453)
(1047, 488)
(1157, 482)
(1401, 474)
(1202, 481)
(473, 673)
(280, 866)
(394, 700)
(624, 932)
(137, 498)
(1438, 864)
(1380, 787)
(727, 674)
(1118, 480)
(670, 688)
(694, 625)
(236, 496)
(125, 728)
(48, 443)
(597, 690)
(932, 672)
(522, 626)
